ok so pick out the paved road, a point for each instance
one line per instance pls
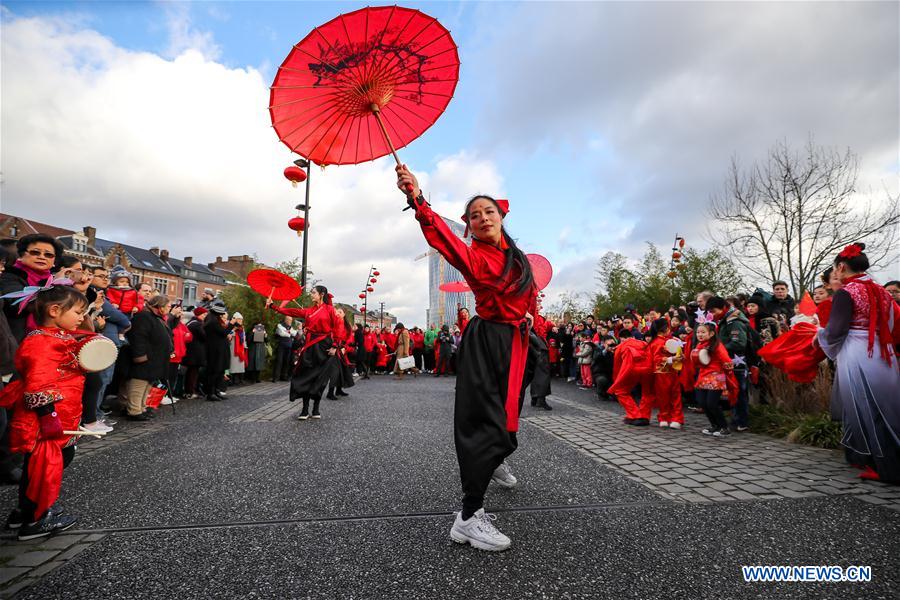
(237, 499)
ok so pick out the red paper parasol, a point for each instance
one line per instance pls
(455, 286)
(542, 270)
(362, 80)
(274, 284)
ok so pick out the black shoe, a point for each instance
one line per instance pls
(150, 413)
(341, 393)
(331, 396)
(315, 414)
(543, 404)
(628, 421)
(11, 476)
(534, 401)
(140, 417)
(15, 519)
(640, 422)
(49, 525)
(212, 398)
(220, 395)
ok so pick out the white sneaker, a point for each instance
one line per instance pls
(503, 477)
(479, 531)
(708, 431)
(674, 425)
(663, 423)
(570, 380)
(168, 400)
(96, 427)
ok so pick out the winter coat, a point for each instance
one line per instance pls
(14, 279)
(218, 352)
(149, 337)
(195, 349)
(585, 353)
(8, 345)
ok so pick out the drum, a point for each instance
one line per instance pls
(673, 346)
(703, 355)
(96, 354)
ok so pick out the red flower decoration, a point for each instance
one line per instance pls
(850, 251)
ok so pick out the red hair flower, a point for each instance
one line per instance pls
(850, 251)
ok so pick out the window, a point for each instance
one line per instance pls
(190, 293)
(161, 284)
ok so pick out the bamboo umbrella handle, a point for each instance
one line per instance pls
(376, 112)
(93, 433)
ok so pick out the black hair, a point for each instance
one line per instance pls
(713, 336)
(893, 282)
(624, 333)
(858, 263)
(607, 337)
(826, 276)
(514, 256)
(64, 296)
(657, 328)
(66, 261)
(779, 282)
(716, 302)
(323, 291)
(8, 243)
(39, 238)
(5, 257)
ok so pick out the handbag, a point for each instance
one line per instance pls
(407, 362)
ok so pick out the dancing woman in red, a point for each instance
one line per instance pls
(492, 354)
(314, 369)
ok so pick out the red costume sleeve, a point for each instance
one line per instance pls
(440, 237)
(299, 313)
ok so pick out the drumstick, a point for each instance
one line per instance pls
(94, 433)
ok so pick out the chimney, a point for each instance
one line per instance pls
(154, 250)
(91, 233)
(164, 254)
(188, 261)
(218, 259)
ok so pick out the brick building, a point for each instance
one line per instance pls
(177, 278)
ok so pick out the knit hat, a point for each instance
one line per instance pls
(756, 299)
(199, 311)
(218, 307)
(237, 315)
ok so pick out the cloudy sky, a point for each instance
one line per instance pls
(606, 124)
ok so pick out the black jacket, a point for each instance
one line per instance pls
(195, 354)
(149, 336)
(8, 345)
(782, 307)
(14, 279)
(218, 356)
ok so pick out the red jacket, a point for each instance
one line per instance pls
(181, 336)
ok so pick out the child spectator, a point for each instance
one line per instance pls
(122, 295)
(585, 356)
(712, 364)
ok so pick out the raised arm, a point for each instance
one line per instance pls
(437, 233)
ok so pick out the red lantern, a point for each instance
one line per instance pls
(681, 243)
(362, 296)
(676, 255)
(298, 224)
(373, 280)
(295, 175)
(376, 273)
(370, 289)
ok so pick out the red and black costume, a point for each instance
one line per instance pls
(314, 369)
(539, 362)
(46, 401)
(492, 355)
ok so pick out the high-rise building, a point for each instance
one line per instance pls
(442, 305)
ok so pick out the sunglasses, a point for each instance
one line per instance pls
(40, 253)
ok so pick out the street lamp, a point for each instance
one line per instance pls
(368, 287)
(304, 164)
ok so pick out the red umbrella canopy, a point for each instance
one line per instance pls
(276, 284)
(400, 60)
(455, 286)
(542, 270)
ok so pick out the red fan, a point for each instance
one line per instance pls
(542, 270)
(274, 284)
(455, 286)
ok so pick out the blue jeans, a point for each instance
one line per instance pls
(106, 377)
(742, 408)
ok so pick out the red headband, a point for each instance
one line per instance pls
(503, 204)
(850, 251)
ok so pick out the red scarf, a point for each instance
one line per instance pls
(878, 314)
(32, 276)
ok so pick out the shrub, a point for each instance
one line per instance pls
(818, 430)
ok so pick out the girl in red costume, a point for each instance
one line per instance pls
(492, 355)
(46, 401)
(713, 367)
(314, 369)
(631, 366)
(666, 387)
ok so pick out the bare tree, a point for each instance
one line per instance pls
(787, 217)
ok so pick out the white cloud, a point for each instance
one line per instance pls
(179, 153)
(183, 36)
